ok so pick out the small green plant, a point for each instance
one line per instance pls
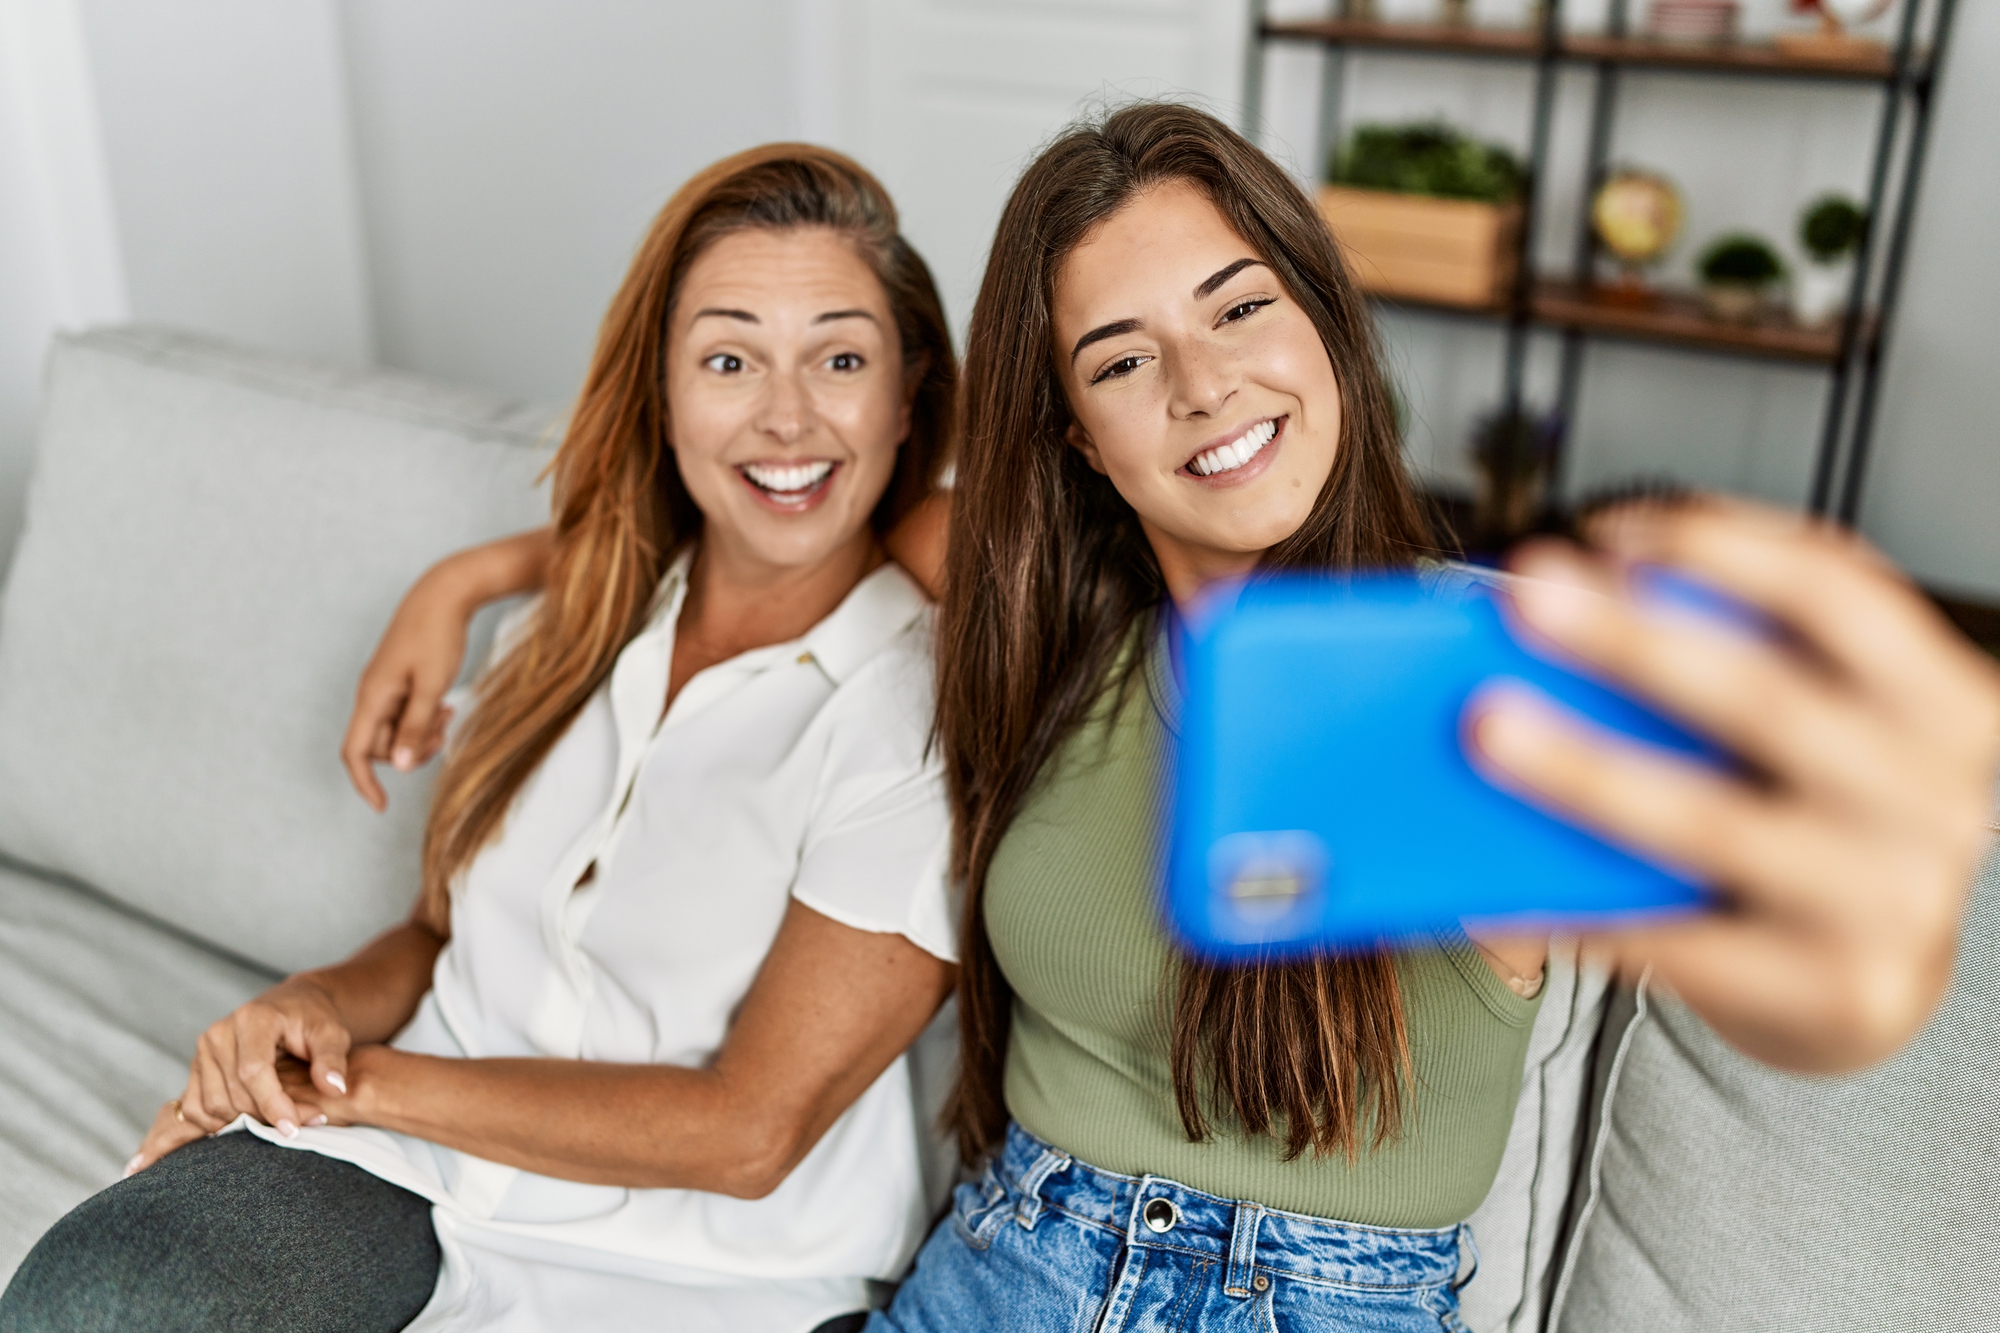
(1428, 158)
(1831, 228)
(1741, 260)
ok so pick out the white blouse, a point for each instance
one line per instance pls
(798, 771)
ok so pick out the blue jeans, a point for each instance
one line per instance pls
(1050, 1244)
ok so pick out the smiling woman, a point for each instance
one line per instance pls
(638, 1058)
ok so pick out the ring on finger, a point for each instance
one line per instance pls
(176, 1104)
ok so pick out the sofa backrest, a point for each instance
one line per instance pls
(1724, 1195)
(214, 540)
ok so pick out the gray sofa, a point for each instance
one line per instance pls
(214, 539)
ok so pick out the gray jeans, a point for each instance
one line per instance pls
(231, 1233)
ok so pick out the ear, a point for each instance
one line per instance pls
(1079, 440)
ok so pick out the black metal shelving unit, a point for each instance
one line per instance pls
(1904, 75)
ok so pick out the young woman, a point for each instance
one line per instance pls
(637, 1059)
(1170, 381)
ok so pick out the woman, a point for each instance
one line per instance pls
(637, 1059)
(1169, 381)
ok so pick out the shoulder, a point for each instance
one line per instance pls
(881, 709)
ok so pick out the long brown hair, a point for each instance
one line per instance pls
(621, 509)
(1049, 577)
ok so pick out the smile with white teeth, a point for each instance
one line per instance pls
(1228, 457)
(788, 481)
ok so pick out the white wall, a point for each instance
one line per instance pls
(455, 186)
(513, 151)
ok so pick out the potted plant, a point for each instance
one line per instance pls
(1426, 212)
(1513, 452)
(1737, 271)
(1830, 230)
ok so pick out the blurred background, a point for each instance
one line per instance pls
(454, 187)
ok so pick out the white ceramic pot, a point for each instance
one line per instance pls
(1819, 293)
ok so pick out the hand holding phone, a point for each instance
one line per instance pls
(1323, 795)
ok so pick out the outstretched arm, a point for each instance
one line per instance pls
(1871, 731)
(831, 1008)
(398, 717)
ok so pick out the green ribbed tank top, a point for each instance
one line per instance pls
(1071, 908)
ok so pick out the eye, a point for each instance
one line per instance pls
(1120, 368)
(1244, 309)
(845, 361)
(725, 363)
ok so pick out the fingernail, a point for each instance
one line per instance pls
(317, 1121)
(132, 1166)
(404, 759)
(288, 1129)
(1552, 595)
(1506, 733)
(336, 1082)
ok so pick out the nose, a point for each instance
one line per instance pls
(1201, 379)
(785, 412)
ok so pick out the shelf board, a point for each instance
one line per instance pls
(1676, 319)
(1745, 58)
(1681, 319)
(1446, 38)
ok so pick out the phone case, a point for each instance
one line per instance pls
(1322, 796)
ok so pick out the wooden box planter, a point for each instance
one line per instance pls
(1446, 251)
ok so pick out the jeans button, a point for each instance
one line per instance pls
(1261, 1283)
(1160, 1215)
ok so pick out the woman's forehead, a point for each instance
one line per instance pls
(795, 268)
(1160, 245)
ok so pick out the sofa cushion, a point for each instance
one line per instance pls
(1725, 1195)
(1519, 1226)
(99, 1011)
(214, 539)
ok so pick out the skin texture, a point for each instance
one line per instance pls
(1873, 730)
(802, 366)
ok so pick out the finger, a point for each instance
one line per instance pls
(435, 741)
(1762, 703)
(1836, 592)
(231, 1055)
(413, 728)
(165, 1135)
(377, 703)
(268, 1096)
(1768, 854)
(1779, 998)
(358, 751)
(327, 1049)
(210, 1107)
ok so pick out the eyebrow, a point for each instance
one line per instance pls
(1115, 328)
(718, 312)
(1118, 327)
(1222, 275)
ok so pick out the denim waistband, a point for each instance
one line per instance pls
(1153, 1212)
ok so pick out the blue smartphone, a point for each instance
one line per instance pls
(1322, 796)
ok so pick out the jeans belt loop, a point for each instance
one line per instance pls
(1242, 1249)
(1029, 1210)
(1468, 1249)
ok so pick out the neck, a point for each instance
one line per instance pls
(1188, 569)
(736, 602)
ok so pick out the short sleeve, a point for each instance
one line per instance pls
(877, 850)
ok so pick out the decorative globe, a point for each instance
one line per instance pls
(1637, 216)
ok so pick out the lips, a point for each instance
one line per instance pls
(788, 483)
(1233, 454)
